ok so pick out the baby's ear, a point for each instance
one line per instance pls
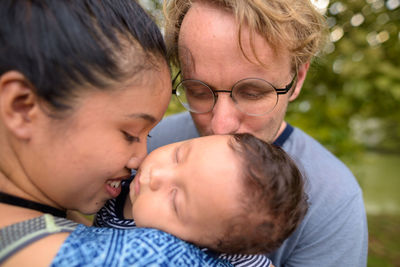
(18, 104)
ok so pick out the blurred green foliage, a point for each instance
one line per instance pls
(350, 100)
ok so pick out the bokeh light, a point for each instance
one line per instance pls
(321, 5)
(357, 20)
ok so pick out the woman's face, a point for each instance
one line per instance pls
(189, 189)
(78, 162)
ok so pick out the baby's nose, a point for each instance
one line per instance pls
(157, 179)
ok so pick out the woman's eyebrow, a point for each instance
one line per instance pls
(144, 116)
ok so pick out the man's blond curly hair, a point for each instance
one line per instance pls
(294, 24)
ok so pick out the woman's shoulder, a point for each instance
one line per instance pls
(34, 241)
(97, 246)
(40, 253)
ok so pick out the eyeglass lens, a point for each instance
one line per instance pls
(251, 96)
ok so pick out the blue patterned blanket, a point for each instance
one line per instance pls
(92, 246)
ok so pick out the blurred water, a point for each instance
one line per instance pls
(379, 178)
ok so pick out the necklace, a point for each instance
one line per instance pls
(29, 204)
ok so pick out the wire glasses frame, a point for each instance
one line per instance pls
(252, 96)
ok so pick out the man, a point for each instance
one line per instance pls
(242, 62)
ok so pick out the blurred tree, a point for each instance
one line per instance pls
(350, 100)
(154, 7)
(351, 97)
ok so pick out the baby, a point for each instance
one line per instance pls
(229, 193)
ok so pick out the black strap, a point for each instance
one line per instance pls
(29, 204)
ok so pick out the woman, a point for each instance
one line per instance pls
(81, 84)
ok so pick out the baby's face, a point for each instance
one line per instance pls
(188, 189)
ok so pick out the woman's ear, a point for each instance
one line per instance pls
(18, 104)
(301, 76)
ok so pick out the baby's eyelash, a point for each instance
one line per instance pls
(176, 159)
(173, 199)
(148, 136)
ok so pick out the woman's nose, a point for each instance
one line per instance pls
(139, 153)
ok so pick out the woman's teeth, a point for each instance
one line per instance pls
(114, 184)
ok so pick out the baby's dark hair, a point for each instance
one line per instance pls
(59, 45)
(274, 200)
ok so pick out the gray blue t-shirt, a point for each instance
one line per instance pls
(334, 231)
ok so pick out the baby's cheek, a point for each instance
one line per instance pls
(147, 213)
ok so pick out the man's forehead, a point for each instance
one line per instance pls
(192, 64)
(256, 51)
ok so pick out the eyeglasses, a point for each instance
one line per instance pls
(252, 96)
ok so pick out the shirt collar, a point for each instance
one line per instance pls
(284, 135)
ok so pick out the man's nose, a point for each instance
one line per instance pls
(225, 115)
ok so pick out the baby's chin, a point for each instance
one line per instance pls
(138, 220)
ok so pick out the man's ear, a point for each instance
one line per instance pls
(18, 104)
(301, 76)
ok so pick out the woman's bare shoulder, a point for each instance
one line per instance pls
(39, 253)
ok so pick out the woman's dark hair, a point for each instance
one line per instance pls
(273, 200)
(59, 44)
